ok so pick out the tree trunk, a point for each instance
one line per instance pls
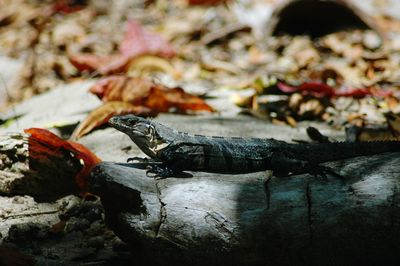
(256, 218)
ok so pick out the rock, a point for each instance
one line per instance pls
(119, 245)
(18, 200)
(29, 212)
(26, 232)
(91, 211)
(76, 224)
(79, 253)
(95, 242)
(96, 228)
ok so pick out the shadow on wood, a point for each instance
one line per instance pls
(255, 218)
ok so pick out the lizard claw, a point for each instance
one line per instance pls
(150, 173)
(159, 172)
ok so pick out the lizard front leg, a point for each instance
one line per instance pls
(154, 167)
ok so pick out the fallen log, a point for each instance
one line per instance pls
(255, 218)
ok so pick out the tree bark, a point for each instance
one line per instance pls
(256, 218)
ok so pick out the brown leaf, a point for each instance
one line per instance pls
(143, 92)
(57, 228)
(102, 114)
(163, 99)
(136, 42)
(102, 64)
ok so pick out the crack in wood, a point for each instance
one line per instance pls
(163, 212)
(267, 191)
(221, 224)
(309, 211)
(393, 207)
(29, 214)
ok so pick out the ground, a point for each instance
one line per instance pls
(221, 54)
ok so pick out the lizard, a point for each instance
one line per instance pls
(173, 151)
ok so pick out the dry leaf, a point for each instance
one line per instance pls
(206, 2)
(143, 92)
(151, 63)
(57, 228)
(102, 64)
(102, 114)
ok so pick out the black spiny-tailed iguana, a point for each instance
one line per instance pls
(177, 151)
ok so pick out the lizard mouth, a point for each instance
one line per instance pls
(137, 133)
(128, 127)
(116, 123)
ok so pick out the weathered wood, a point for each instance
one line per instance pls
(46, 178)
(256, 218)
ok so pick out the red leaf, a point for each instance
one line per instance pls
(66, 6)
(90, 160)
(359, 93)
(137, 41)
(320, 90)
(42, 143)
(309, 88)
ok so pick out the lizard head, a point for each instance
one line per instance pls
(143, 133)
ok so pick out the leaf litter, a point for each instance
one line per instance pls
(211, 44)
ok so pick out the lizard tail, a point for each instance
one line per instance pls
(319, 153)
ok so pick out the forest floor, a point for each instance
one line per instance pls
(215, 63)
